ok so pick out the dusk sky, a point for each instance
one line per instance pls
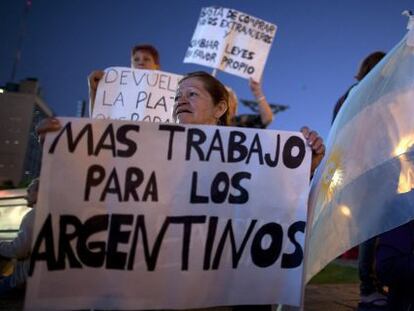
(315, 55)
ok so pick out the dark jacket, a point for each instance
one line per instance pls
(395, 266)
(340, 102)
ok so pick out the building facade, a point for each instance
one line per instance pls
(21, 108)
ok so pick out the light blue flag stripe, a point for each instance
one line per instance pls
(393, 63)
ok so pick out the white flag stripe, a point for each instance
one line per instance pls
(376, 130)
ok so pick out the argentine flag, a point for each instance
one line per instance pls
(365, 184)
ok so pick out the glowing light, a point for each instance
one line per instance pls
(406, 179)
(403, 145)
(406, 182)
(336, 179)
(1, 91)
(345, 210)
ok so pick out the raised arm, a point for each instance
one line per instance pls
(266, 114)
(93, 80)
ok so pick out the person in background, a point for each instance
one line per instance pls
(371, 294)
(365, 67)
(20, 247)
(395, 266)
(143, 56)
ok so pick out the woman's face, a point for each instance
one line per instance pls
(194, 104)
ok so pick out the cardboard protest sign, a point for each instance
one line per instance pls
(136, 215)
(231, 41)
(135, 95)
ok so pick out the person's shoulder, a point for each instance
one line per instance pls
(341, 101)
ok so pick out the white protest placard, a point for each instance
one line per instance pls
(136, 215)
(136, 95)
(231, 41)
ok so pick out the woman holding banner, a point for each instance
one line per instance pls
(202, 99)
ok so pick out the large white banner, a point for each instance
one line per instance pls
(135, 95)
(231, 41)
(140, 215)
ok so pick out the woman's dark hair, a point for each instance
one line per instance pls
(215, 88)
(368, 63)
(148, 48)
